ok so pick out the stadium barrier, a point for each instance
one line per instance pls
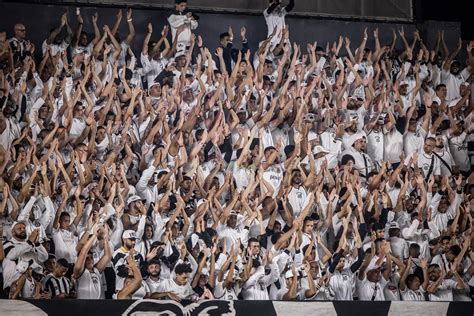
(244, 308)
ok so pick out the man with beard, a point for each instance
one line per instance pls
(425, 160)
(453, 75)
(362, 161)
(444, 157)
(297, 192)
(55, 42)
(440, 288)
(20, 246)
(80, 41)
(119, 258)
(154, 279)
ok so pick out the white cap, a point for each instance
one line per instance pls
(179, 54)
(133, 198)
(320, 149)
(355, 138)
(129, 234)
(288, 274)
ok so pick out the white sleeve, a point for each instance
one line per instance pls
(34, 108)
(194, 24)
(60, 248)
(141, 227)
(176, 20)
(143, 182)
(110, 211)
(18, 250)
(116, 237)
(272, 277)
(409, 232)
(159, 226)
(25, 211)
(48, 215)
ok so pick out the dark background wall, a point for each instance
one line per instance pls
(386, 9)
(39, 19)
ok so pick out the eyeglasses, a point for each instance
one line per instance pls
(21, 30)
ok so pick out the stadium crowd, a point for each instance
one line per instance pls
(286, 173)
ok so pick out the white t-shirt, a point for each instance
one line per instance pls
(183, 291)
(444, 291)
(367, 289)
(229, 293)
(89, 285)
(275, 19)
(341, 284)
(375, 145)
(458, 148)
(274, 176)
(453, 82)
(413, 141)
(411, 295)
(297, 198)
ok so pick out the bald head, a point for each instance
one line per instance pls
(20, 31)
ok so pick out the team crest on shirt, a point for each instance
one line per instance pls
(172, 308)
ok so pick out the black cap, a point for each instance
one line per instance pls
(180, 1)
(163, 75)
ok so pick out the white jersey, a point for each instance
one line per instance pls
(413, 295)
(371, 291)
(375, 145)
(413, 141)
(275, 19)
(297, 198)
(458, 148)
(393, 146)
(183, 291)
(341, 284)
(89, 285)
(446, 162)
(274, 176)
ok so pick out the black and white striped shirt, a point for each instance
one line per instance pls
(57, 286)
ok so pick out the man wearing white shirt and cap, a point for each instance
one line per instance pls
(362, 161)
(371, 281)
(120, 255)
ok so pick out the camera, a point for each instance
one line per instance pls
(310, 117)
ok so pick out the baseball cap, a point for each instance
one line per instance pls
(129, 234)
(133, 198)
(320, 149)
(394, 225)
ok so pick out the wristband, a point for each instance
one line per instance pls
(129, 20)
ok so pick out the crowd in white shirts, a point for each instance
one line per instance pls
(286, 173)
